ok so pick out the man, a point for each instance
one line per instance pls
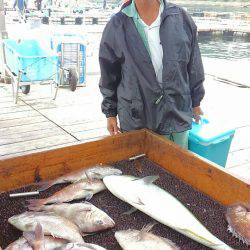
(151, 70)
(22, 6)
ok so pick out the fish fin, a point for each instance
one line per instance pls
(171, 243)
(87, 234)
(238, 231)
(130, 211)
(89, 196)
(36, 237)
(147, 228)
(150, 179)
(89, 178)
(87, 203)
(36, 203)
(44, 185)
(238, 236)
(191, 233)
(29, 236)
(138, 201)
(39, 236)
(99, 176)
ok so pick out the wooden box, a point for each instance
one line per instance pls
(200, 174)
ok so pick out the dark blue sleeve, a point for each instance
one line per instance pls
(195, 65)
(110, 67)
(196, 73)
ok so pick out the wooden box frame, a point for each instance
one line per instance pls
(199, 173)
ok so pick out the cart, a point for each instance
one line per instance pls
(28, 63)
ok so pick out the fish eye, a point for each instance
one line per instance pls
(99, 222)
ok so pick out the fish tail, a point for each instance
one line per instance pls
(44, 185)
(39, 236)
(35, 238)
(36, 204)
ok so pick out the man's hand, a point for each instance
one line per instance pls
(112, 126)
(197, 112)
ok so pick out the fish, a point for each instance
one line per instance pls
(238, 218)
(80, 190)
(85, 215)
(81, 246)
(51, 223)
(142, 239)
(161, 206)
(49, 241)
(95, 172)
(20, 244)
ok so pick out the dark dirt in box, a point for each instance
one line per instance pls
(209, 212)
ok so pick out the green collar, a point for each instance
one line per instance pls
(131, 10)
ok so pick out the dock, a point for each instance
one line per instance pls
(226, 28)
(38, 123)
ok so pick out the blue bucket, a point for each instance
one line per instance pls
(211, 141)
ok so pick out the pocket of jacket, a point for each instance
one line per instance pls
(180, 101)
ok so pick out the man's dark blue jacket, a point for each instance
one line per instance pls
(128, 81)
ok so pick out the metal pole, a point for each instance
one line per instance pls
(3, 35)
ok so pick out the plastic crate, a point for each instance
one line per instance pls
(211, 141)
(37, 63)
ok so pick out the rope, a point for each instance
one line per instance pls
(229, 82)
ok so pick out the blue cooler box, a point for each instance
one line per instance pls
(211, 141)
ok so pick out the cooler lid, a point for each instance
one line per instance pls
(207, 132)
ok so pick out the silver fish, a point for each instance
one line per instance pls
(85, 215)
(49, 241)
(95, 172)
(161, 206)
(81, 246)
(20, 244)
(141, 240)
(51, 223)
(238, 218)
(80, 190)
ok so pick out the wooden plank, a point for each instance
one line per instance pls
(205, 176)
(28, 152)
(238, 158)
(35, 144)
(14, 109)
(242, 171)
(241, 139)
(31, 135)
(23, 114)
(41, 104)
(27, 128)
(89, 125)
(6, 99)
(22, 121)
(89, 134)
(21, 170)
(11, 104)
